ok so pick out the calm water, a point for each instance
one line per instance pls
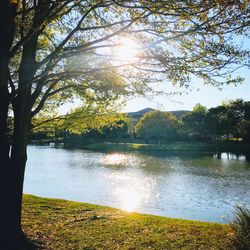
(200, 187)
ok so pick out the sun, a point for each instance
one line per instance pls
(127, 50)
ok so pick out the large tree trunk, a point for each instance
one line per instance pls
(11, 166)
(4, 158)
(17, 166)
(12, 172)
(4, 142)
(7, 27)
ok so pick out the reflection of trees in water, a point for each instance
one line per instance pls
(184, 155)
(233, 156)
(248, 156)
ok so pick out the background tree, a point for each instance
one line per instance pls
(245, 123)
(247, 118)
(50, 47)
(157, 124)
(194, 123)
(236, 116)
(118, 129)
(226, 119)
(218, 122)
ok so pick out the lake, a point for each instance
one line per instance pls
(182, 185)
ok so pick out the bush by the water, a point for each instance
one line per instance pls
(241, 228)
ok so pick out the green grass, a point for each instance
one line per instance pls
(60, 224)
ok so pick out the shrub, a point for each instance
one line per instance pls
(241, 228)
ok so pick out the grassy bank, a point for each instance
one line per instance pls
(60, 224)
(171, 147)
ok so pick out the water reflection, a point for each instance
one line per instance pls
(114, 159)
(131, 190)
(228, 156)
(129, 198)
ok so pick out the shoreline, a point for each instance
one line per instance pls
(174, 148)
(238, 148)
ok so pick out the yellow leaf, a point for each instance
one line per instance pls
(203, 16)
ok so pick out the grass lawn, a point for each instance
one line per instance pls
(60, 224)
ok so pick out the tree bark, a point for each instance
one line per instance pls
(11, 166)
(4, 159)
(18, 160)
(7, 28)
(22, 105)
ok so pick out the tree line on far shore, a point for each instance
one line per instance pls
(228, 121)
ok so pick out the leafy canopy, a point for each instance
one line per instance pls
(65, 49)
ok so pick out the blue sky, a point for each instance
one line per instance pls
(207, 95)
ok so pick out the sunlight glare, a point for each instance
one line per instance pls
(114, 159)
(129, 198)
(127, 51)
(131, 191)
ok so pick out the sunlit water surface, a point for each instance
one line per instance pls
(190, 186)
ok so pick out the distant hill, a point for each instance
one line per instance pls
(138, 114)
